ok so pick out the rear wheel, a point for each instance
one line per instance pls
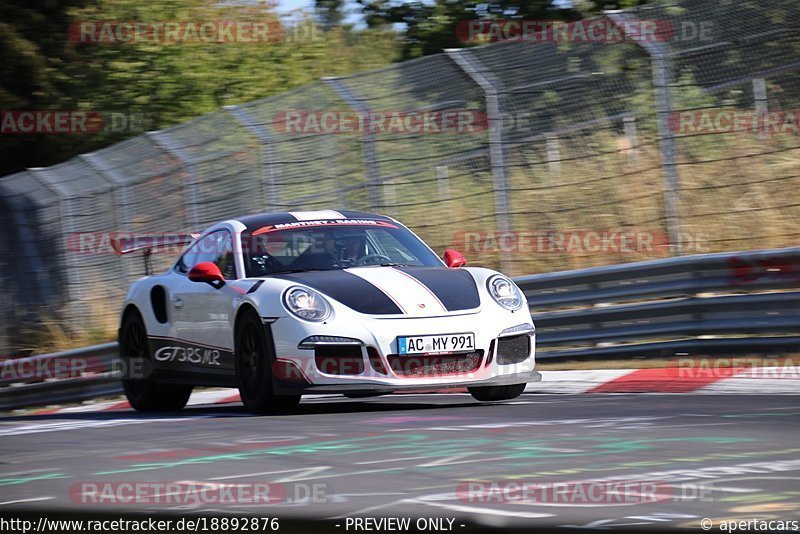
(253, 360)
(140, 386)
(497, 393)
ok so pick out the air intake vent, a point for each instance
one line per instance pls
(339, 360)
(513, 349)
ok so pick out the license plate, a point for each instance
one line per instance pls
(436, 344)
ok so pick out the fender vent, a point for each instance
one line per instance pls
(158, 299)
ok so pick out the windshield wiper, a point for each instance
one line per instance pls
(290, 271)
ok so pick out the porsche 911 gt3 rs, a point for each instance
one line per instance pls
(282, 304)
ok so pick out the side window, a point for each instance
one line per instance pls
(224, 258)
(216, 247)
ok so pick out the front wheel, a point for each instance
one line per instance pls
(253, 360)
(140, 386)
(497, 393)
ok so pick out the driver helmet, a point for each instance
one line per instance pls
(346, 246)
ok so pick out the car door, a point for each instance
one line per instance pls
(202, 311)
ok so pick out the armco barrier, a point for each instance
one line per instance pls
(703, 304)
(739, 302)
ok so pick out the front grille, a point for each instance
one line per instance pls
(339, 359)
(514, 349)
(435, 365)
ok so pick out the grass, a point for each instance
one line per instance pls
(53, 334)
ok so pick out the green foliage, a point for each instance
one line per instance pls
(432, 27)
(164, 83)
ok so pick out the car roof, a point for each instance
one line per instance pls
(254, 222)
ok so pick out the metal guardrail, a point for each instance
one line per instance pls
(731, 303)
(740, 302)
(69, 376)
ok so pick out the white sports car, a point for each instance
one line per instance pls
(282, 304)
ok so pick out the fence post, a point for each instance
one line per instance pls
(553, 154)
(120, 191)
(75, 297)
(367, 142)
(661, 68)
(443, 181)
(163, 141)
(629, 127)
(269, 173)
(32, 258)
(475, 70)
(760, 97)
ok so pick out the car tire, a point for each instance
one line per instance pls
(144, 393)
(496, 393)
(254, 356)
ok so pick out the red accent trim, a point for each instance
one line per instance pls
(406, 371)
(232, 398)
(424, 391)
(284, 369)
(315, 224)
(375, 360)
(668, 380)
(490, 355)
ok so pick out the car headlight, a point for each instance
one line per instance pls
(306, 304)
(504, 292)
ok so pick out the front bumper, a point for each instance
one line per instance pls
(379, 336)
(379, 388)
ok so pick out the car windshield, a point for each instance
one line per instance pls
(273, 250)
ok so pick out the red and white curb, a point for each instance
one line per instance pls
(758, 380)
(724, 380)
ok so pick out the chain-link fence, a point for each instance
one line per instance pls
(531, 154)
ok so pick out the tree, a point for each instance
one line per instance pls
(161, 83)
(430, 28)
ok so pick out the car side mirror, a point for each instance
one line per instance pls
(454, 259)
(207, 272)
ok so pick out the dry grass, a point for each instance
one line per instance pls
(54, 334)
(738, 192)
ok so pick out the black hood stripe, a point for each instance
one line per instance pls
(349, 289)
(455, 288)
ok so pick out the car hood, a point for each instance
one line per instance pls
(413, 291)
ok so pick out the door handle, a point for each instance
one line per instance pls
(177, 303)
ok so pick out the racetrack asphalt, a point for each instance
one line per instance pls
(718, 457)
